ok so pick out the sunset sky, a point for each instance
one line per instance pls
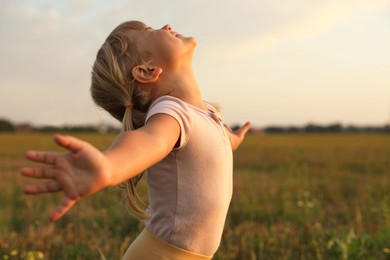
(271, 62)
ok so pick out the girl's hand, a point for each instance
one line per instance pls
(79, 173)
(236, 137)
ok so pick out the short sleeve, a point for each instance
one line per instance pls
(177, 109)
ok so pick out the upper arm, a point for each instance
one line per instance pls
(163, 130)
(135, 151)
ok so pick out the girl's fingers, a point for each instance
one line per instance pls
(42, 157)
(242, 131)
(68, 142)
(65, 205)
(246, 127)
(42, 187)
(37, 172)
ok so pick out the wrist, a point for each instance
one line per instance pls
(107, 172)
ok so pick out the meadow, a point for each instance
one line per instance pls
(295, 197)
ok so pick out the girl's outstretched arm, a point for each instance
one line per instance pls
(86, 170)
(236, 137)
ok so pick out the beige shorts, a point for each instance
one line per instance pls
(148, 247)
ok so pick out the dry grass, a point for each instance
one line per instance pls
(296, 197)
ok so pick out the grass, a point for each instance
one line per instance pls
(295, 197)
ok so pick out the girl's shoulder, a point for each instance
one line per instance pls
(168, 102)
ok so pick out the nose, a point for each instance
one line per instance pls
(167, 27)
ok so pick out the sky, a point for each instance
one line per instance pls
(271, 62)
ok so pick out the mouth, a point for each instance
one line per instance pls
(177, 35)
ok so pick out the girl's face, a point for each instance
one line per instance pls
(165, 46)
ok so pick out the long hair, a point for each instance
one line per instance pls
(113, 88)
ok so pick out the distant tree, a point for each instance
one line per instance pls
(334, 128)
(235, 127)
(6, 126)
(293, 129)
(274, 129)
(23, 128)
(352, 129)
(312, 128)
(67, 129)
(386, 128)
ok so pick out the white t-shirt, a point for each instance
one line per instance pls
(190, 189)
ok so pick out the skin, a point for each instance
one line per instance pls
(85, 170)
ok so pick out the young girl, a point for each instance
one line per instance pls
(144, 78)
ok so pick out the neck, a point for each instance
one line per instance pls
(182, 85)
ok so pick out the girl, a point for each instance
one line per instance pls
(144, 78)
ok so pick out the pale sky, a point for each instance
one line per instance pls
(271, 62)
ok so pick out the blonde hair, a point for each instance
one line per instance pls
(115, 90)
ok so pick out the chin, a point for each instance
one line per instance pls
(195, 42)
(192, 40)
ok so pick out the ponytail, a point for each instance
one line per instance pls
(127, 123)
(130, 186)
(114, 89)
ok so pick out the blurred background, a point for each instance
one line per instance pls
(286, 66)
(271, 62)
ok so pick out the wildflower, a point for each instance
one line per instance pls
(14, 252)
(310, 204)
(30, 255)
(5, 257)
(386, 250)
(40, 255)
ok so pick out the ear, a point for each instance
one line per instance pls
(145, 73)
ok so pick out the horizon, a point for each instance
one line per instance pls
(117, 125)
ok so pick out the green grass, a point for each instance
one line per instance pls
(295, 197)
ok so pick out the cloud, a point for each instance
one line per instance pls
(295, 20)
(78, 5)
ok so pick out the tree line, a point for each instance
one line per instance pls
(317, 128)
(331, 128)
(8, 126)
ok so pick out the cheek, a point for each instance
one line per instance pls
(167, 49)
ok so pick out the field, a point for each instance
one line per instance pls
(295, 197)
